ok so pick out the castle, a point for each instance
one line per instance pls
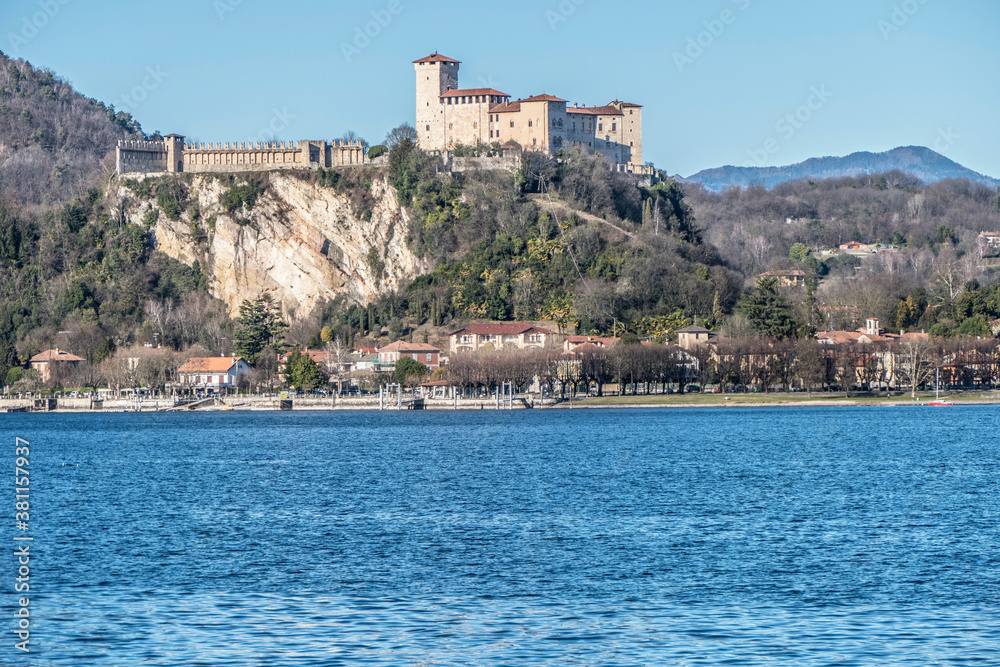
(447, 116)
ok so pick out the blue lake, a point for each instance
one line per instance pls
(803, 536)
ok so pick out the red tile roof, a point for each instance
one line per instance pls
(544, 98)
(470, 92)
(54, 355)
(403, 346)
(592, 339)
(596, 111)
(586, 347)
(575, 343)
(500, 329)
(208, 364)
(509, 107)
(436, 58)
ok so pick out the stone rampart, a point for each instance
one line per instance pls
(153, 156)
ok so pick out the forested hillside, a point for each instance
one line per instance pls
(53, 140)
(930, 248)
(610, 251)
(66, 264)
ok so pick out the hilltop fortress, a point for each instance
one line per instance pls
(447, 117)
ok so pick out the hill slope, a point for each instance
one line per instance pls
(921, 162)
(52, 139)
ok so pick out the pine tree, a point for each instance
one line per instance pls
(258, 326)
(769, 312)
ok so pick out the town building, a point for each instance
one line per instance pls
(428, 355)
(691, 337)
(54, 363)
(789, 278)
(498, 336)
(857, 248)
(571, 343)
(989, 244)
(213, 372)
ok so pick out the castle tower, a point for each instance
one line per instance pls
(436, 75)
(175, 152)
(631, 132)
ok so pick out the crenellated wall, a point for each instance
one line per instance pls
(141, 156)
(236, 157)
(173, 155)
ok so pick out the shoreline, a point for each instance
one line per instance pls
(694, 401)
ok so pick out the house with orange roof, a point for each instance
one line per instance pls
(213, 372)
(498, 336)
(53, 362)
(424, 353)
(571, 343)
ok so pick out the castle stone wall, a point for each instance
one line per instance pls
(140, 157)
(172, 155)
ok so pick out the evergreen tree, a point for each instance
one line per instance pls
(259, 326)
(799, 252)
(769, 313)
(408, 370)
(302, 372)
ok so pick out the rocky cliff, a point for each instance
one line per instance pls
(300, 242)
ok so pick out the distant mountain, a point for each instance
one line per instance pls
(923, 163)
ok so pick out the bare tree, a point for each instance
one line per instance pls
(914, 362)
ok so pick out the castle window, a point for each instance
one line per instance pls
(428, 128)
(600, 127)
(529, 123)
(449, 126)
(631, 143)
(512, 123)
(614, 127)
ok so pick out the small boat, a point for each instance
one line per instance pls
(937, 399)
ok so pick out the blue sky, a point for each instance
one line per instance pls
(743, 82)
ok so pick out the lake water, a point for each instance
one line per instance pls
(826, 536)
